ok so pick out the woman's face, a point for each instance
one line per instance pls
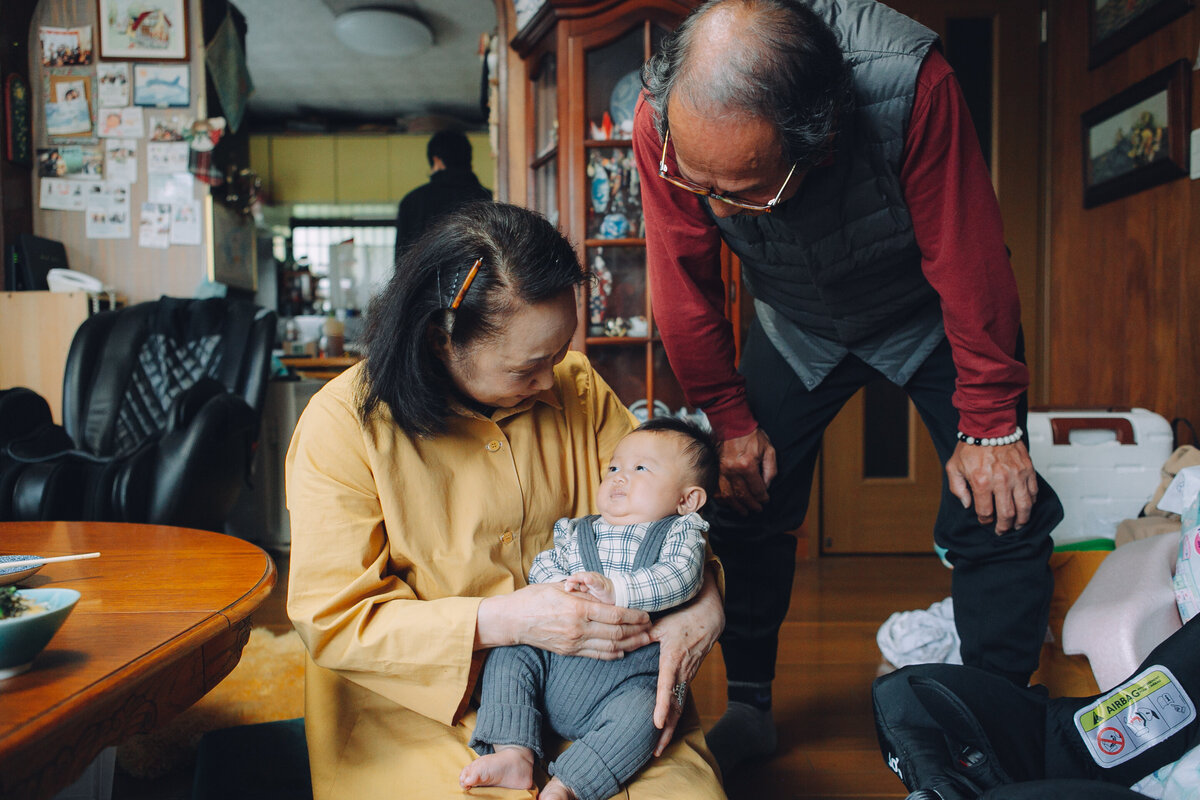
(504, 371)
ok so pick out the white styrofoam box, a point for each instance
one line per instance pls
(1104, 465)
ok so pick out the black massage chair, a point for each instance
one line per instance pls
(161, 408)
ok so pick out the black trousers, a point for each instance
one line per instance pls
(1001, 584)
(1028, 745)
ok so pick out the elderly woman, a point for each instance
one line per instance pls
(422, 483)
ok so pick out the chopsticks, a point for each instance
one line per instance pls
(37, 562)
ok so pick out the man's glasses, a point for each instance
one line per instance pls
(703, 191)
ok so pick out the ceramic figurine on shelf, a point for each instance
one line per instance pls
(614, 226)
(616, 327)
(601, 186)
(602, 282)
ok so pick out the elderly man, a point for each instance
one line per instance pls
(828, 144)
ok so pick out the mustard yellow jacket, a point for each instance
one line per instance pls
(395, 540)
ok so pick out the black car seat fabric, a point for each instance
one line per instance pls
(958, 733)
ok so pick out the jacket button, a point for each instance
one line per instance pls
(493, 446)
(506, 537)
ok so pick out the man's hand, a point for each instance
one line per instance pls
(747, 469)
(598, 587)
(999, 480)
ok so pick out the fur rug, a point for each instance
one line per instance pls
(266, 685)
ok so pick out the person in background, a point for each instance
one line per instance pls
(827, 143)
(451, 184)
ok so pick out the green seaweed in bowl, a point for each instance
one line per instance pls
(12, 604)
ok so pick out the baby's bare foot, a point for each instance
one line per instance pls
(510, 766)
(556, 790)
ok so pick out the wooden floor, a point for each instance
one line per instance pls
(827, 660)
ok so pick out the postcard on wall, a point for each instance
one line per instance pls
(113, 78)
(123, 123)
(166, 157)
(172, 126)
(154, 226)
(162, 85)
(174, 188)
(70, 161)
(62, 195)
(66, 47)
(68, 118)
(107, 214)
(185, 222)
(120, 160)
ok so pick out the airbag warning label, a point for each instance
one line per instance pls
(1134, 716)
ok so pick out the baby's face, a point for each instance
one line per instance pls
(646, 479)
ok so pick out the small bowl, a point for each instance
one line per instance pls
(12, 575)
(23, 637)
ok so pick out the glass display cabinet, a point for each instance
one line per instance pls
(583, 63)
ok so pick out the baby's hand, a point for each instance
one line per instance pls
(591, 583)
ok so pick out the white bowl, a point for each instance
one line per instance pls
(23, 637)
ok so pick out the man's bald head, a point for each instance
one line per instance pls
(773, 59)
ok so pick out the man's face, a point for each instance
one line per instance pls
(735, 155)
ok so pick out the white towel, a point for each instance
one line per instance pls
(921, 637)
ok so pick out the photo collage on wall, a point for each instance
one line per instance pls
(119, 112)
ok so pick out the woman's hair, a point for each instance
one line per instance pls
(787, 68)
(523, 259)
(702, 448)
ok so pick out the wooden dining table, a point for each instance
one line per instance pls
(163, 615)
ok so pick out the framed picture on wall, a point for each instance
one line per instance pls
(151, 30)
(1138, 138)
(1114, 25)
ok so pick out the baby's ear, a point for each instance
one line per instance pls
(692, 498)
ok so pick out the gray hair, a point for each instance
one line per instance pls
(789, 70)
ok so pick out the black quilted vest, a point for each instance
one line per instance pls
(839, 258)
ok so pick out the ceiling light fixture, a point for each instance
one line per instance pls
(382, 32)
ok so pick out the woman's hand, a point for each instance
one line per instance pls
(572, 624)
(684, 636)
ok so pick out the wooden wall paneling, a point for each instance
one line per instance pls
(1120, 299)
(139, 273)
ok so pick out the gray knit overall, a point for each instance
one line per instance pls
(605, 707)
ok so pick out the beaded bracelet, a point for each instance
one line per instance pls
(992, 441)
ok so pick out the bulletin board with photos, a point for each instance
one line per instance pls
(119, 108)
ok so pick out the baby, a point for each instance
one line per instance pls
(645, 550)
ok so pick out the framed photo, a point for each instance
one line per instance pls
(1139, 138)
(69, 105)
(150, 30)
(162, 85)
(18, 137)
(1114, 25)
